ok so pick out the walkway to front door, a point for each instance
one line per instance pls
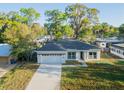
(47, 77)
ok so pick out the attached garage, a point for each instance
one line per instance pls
(51, 53)
(52, 58)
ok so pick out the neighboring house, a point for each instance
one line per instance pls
(5, 50)
(105, 43)
(117, 49)
(63, 50)
(44, 39)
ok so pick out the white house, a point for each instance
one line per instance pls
(118, 50)
(62, 50)
(104, 43)
(5, 50)
(44, 39)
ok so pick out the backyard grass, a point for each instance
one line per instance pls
(105, 74)
(19, 77)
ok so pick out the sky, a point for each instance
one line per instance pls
(113, 14)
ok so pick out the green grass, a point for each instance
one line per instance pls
(19, 77)
(119, 62)
(101, 76)
(108, 56)
(72, 63)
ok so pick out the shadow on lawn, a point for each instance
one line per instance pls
(117, 76)
(99, 71)
(97, 75)
(120, 63)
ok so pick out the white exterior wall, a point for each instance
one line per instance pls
(85, 55)
(77, 55)
(39, 58)
(39, 55)
(97, 53)
(121, 55)
(65, 56)
(102, 44)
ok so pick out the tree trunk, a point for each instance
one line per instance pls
(76, 33)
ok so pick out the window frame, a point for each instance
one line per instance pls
(71, 55)
(92, 55)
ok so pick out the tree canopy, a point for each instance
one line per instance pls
(79, 16)
(105, 30)
(56, 24)
(78, 21)
(121, 31)
(19, 29)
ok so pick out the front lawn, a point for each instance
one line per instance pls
(19, 77)
(101, 76)
(72, 63)
(109, 56)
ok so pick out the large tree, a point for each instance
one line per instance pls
(87, 35)
(21, 37)
(67, 31)
(24, 15)
(4, 25)
(79, 16)
(121, 31)
(104, 30)
(56, 24)
(29, 15)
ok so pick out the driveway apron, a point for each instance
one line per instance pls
(47, 77)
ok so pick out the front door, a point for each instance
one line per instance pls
(82, 55)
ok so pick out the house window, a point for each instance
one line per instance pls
(71, 55)
(92, 55)
(113, 49)
(119, 51)
(95, 55)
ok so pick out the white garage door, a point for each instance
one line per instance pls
(52, 58)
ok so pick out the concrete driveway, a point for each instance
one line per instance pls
(4, 68)
(47, 77)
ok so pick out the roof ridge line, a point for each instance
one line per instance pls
(59, 45)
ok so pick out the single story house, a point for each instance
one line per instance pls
(105, 43)
(5, 50)
(117, 49)
(43, 39)
(63, 50)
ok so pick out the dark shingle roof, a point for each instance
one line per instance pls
(75, 44)
(51, 47)
(63, 45)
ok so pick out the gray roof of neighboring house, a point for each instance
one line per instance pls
(119, 45)
(5, 49)
(110, 39)
(63, 45)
